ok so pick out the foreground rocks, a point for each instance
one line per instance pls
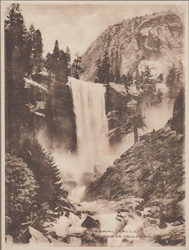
(90, 223)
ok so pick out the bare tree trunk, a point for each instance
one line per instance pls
(135, 133)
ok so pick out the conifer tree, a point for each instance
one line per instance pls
(106, 68)
(63, 70)
(35, 180)
(52, 60)
(56, 54)
(148, 78)
(57, 63)
(36, 50)
(129, 80)
(50, 63)
(68, 57)
(45, 172)
(56, 50)
(76, 67)
(124, 82)
(16, 65)
(103, 73)
(21, 193)
(137, 78)
(98, 72)
(117, 77)
(137, 121)
(112, 76)
(174, 80)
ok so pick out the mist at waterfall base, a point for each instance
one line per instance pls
(93, 149)
(155, 117)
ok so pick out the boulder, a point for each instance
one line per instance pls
(89, 222)
(93, 240)
(37, 236)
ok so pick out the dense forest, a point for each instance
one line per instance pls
(33, 184)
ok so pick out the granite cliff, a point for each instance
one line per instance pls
(157, 37)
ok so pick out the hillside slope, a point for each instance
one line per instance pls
(157, 37)
(152, 170)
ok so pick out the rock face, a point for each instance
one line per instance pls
(179, 113)
(60, 118)
(149, 181)
(50, 103)
(117, 111)
(90, 223)
(156, 37)
(152, 170)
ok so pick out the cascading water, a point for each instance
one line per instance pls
(91, 123)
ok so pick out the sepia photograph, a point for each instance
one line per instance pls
(93, 124)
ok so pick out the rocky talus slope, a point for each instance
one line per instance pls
(153, 171)
(157, 37)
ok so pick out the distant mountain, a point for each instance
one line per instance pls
(157, 37)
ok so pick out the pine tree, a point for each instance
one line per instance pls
(52, 60)
(174, 80)
(38, 63)
(148, 78)
(106, 68)
(117, 77)
(56, 54)
(30, 47)
(137, 121)
(137, 78)
(112, 76)
(103, 73)
(170, 80)
(21, 193)
(36, 50)
(98, 72)
(63, 66)
(56, 50)
(45, 171)
(68, 57)
(129, 79)
(15, 42)
(171, 76)
(76, 67)
(16, 65)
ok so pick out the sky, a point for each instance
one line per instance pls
(78, 24)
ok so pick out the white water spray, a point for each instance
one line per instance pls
(91, 122)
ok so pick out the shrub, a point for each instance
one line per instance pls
(21, 191)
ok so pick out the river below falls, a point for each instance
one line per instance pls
(120, 224)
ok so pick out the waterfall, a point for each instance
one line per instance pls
(91, 123)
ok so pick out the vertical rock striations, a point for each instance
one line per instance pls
(156, 37)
